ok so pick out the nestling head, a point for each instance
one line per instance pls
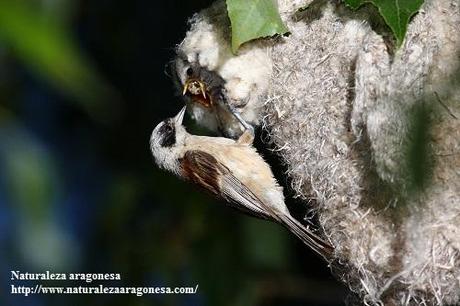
(167, 142)
(208, 72)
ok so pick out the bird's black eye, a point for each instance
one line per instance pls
(168, 134)
(189, 71)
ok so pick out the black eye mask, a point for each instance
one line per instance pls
(168, 133)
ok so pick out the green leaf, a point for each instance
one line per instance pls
(252, 19)
(396, 13)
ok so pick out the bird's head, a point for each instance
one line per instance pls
(202, 86)
(208, 71)
(167, 141)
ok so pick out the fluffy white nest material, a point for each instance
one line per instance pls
(338, 109)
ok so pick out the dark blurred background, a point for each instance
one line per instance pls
(82, 84)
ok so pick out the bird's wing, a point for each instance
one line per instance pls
(316, 243)
(206, 171)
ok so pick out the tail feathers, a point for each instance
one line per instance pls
(318, 245)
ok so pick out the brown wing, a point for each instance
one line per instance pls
(207, 172)
(202, 169)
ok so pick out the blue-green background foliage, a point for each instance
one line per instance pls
(82, 84)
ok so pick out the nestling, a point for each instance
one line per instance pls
(231, 170)
(225, 92)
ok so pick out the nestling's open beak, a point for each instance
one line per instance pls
(195, 87)
(180, 116)
(198, 92)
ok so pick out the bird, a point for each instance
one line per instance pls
(231, 170)
(225, 91)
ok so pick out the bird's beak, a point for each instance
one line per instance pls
(180, 116)
(194, 87)
(185, 89)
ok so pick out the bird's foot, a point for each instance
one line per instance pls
(247, 138)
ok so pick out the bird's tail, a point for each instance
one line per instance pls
(318, 245)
